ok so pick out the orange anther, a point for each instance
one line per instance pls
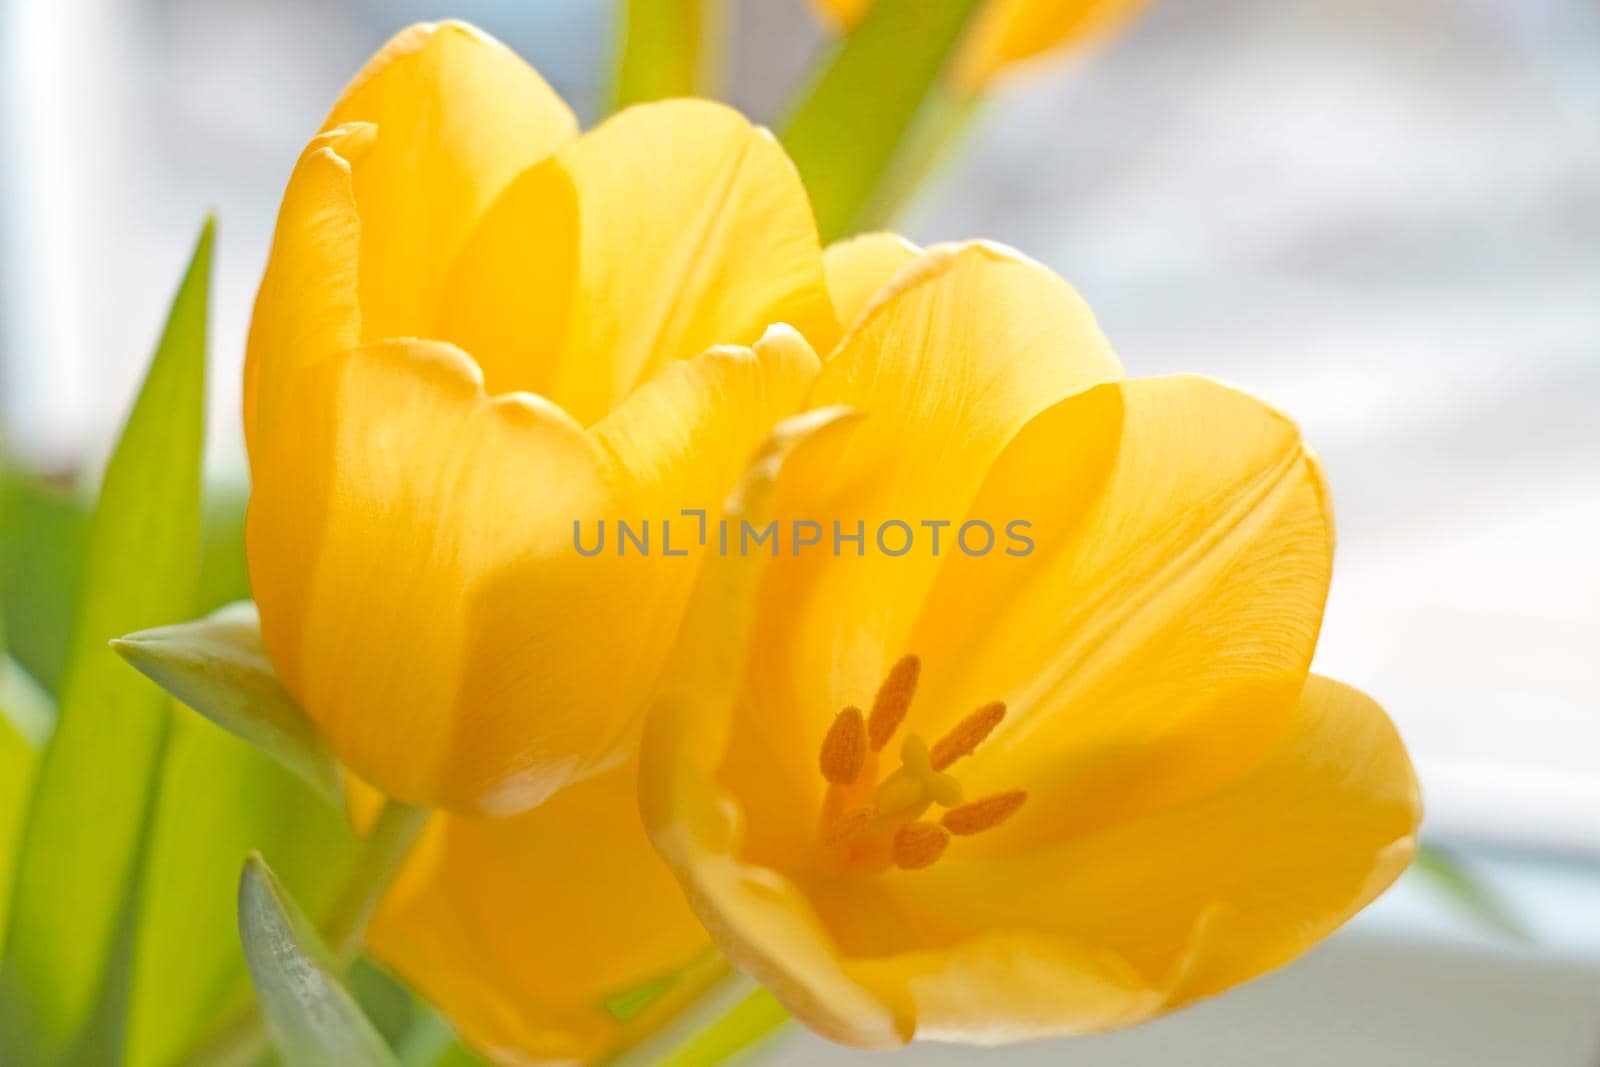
(919, 844)
(844, 750)
(894, 698)
(967, 735)
(984, 814)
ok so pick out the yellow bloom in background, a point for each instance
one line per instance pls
(547, 937)
(476, 327)
(1005, 33)
(991, 797)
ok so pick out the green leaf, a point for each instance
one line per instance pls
(387, 1003)
(626, 1005)
(667, 48)
(935, 137)
(727, 1021)
(431, 1042)
(224, 577)
(220, 797)
(44, 528)
(218, 667)
(1451, 876)
(750, 1022)
(847, 128)
(313, 1021)
(63, 983)
(220, 800)
(25, 721)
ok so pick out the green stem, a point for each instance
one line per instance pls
(383, 851)
(848, 127)
(728, 1019)
(382, 854)
(668, 48)
(934, 139)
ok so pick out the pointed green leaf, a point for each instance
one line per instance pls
(313, 1021)
(847, 129)
(216, 666)
(220, 799)
(63, 983)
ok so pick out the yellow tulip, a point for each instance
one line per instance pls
(1093, 781)
(1006, 33)
(476, 327)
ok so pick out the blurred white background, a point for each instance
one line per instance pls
(1383, 216)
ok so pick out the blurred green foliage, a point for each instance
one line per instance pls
(66, 977)
(849, 127)
(215, 798)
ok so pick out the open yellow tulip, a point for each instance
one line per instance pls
(475, 329)
(1005, 33)
(979, 795)
(558, 935)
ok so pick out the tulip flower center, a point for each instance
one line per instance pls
(871, 824)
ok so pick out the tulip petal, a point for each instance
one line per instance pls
(1104, 931)
(694, 231)
(843, 15)
(520, 930)
(1154, 640)
(308, 306)
(507, 662)
(510, 293)
(410, 553)
(765, 922)
(956, 354)
(1211, 893)
(678, 444)
(686, 436)
(420, 144)
(756, 918)
(458, 116)
(859, 267)
(1007, 32)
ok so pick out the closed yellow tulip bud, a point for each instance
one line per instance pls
(1006, 33)
(477, 328)
(1050, 779)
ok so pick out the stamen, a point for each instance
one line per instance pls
(871, 822)
(984, 814)
(850, 825)
(968, 734)
(919, 844)
(844, 749)
(894, 698)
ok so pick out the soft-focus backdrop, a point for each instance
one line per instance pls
(1385, 217)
